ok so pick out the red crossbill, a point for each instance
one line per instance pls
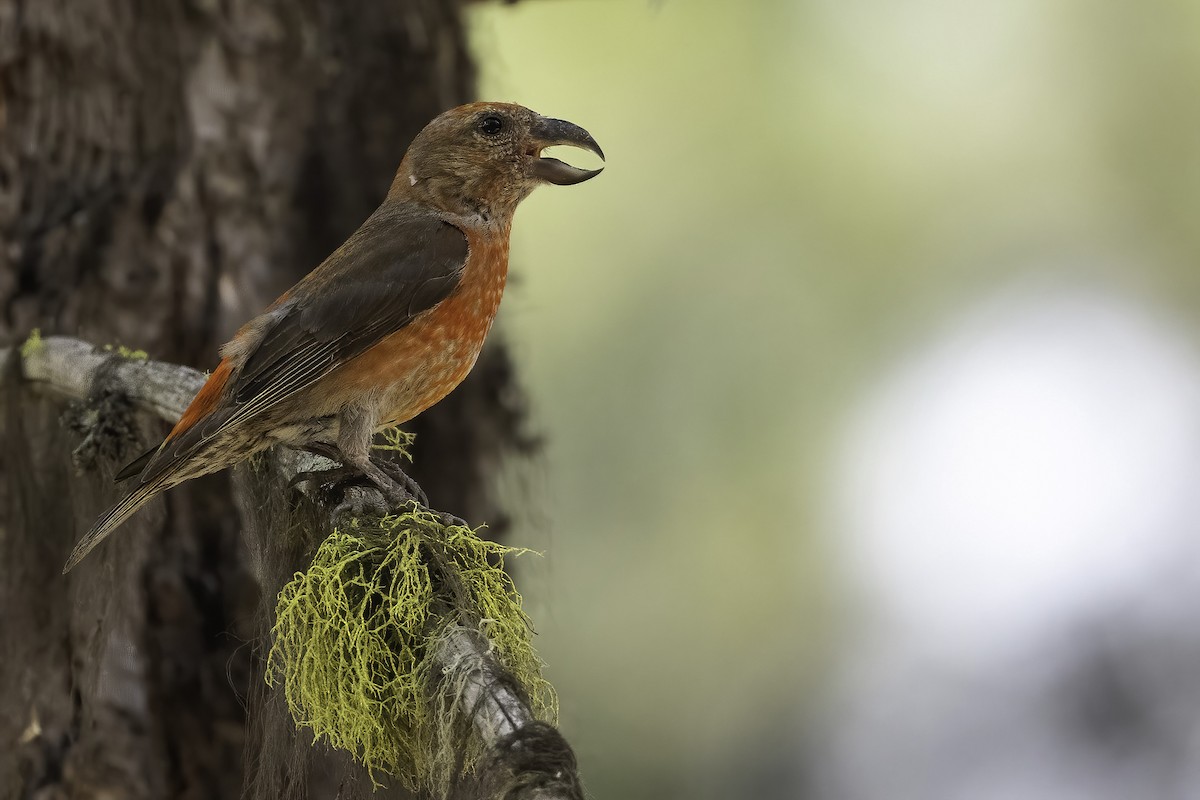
(386, 326)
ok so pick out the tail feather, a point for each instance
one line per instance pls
(170, 463)
(109, 521)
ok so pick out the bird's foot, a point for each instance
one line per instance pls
(321, 480)
(346, 490)
(405, 487)
(374, 491)
(359, 502)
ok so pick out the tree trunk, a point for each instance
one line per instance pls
(167, 167)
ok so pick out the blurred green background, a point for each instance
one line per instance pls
(797, 193)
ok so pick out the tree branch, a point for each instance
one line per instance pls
(530, 759)
(68, 367)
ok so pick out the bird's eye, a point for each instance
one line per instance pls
(491, 125)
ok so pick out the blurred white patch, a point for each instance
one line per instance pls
(1041, 459)
(1018, 506)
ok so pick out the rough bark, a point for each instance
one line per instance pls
(166, 168)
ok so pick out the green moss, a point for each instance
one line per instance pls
(33, 344)
(355, 636)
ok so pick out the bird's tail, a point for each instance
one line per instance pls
(109, 521)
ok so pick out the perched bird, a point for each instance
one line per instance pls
(385, 327)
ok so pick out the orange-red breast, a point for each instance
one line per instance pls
(386, 326)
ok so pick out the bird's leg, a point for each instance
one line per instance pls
(355, 431)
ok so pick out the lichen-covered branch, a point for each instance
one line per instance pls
(497, 709)
(69, 367)
(528, 758)
(523, 758)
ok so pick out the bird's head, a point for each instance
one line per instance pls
(482, 159)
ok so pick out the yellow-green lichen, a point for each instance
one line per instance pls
(397, 441)
(127, 352)
(33, 344)
(355, 639)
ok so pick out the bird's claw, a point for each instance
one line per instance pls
(358, 502)
(346, 490)
(351, 493)
(408, 488)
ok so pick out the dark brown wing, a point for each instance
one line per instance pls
(392, 269)
(401, 262)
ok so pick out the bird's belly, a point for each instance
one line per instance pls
(444, 366)
(417, 366)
